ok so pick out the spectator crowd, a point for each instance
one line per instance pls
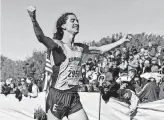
(28, 87)
(128, 75)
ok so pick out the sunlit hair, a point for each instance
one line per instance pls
(59, 30)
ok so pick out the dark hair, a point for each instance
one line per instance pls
(134, 82)
(19, 84)
(59, 30)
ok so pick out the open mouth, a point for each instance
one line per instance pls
(77, 27)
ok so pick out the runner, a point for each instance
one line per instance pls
(63, 99)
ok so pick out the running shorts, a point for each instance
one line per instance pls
(62, 102)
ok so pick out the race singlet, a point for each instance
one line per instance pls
(70, 69)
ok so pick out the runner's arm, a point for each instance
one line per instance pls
(104, 48)
(48, 42)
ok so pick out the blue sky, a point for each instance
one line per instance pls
(98, 18)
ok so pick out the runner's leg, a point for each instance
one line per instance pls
(50, 116)
(79, 115)
(77, 112)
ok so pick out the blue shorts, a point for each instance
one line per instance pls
(62, 102)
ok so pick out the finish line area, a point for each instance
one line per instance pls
(12, 109)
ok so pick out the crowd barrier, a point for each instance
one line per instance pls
(12, 109)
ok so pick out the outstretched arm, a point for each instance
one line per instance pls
(105, 48)
(48, 42)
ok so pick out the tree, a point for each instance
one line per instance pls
(35, 65)
(31, 67)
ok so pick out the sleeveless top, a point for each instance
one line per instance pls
(70, 69)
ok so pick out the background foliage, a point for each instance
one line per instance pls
(31, 67)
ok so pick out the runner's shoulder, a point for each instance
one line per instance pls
(58, 42)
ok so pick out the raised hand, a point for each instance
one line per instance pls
(31, 11)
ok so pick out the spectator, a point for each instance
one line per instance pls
(133, 62)
(137, 84)
(90, 87)
(155, 73)
(149, 91)
(95, 60)
(123, 65)
(40, 85)
(154, 61)
(23, 83)
(12, 88)
(109, 87)
(82, 87)
(93, 75)
(104, 62)
(151, 49)
(6, 89)
(95, 86)
(147, 67)
(89, 74)
(117, 55)
(101, 78)
(90, 62)
(130, 98)
(154, 68)
(32, 88)
(125, 53)
(18, 93)
(115, 70)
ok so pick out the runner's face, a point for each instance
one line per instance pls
(72, 25)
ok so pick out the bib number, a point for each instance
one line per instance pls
(73, 76)
(73, 73)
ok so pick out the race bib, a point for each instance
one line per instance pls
(74, 75)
